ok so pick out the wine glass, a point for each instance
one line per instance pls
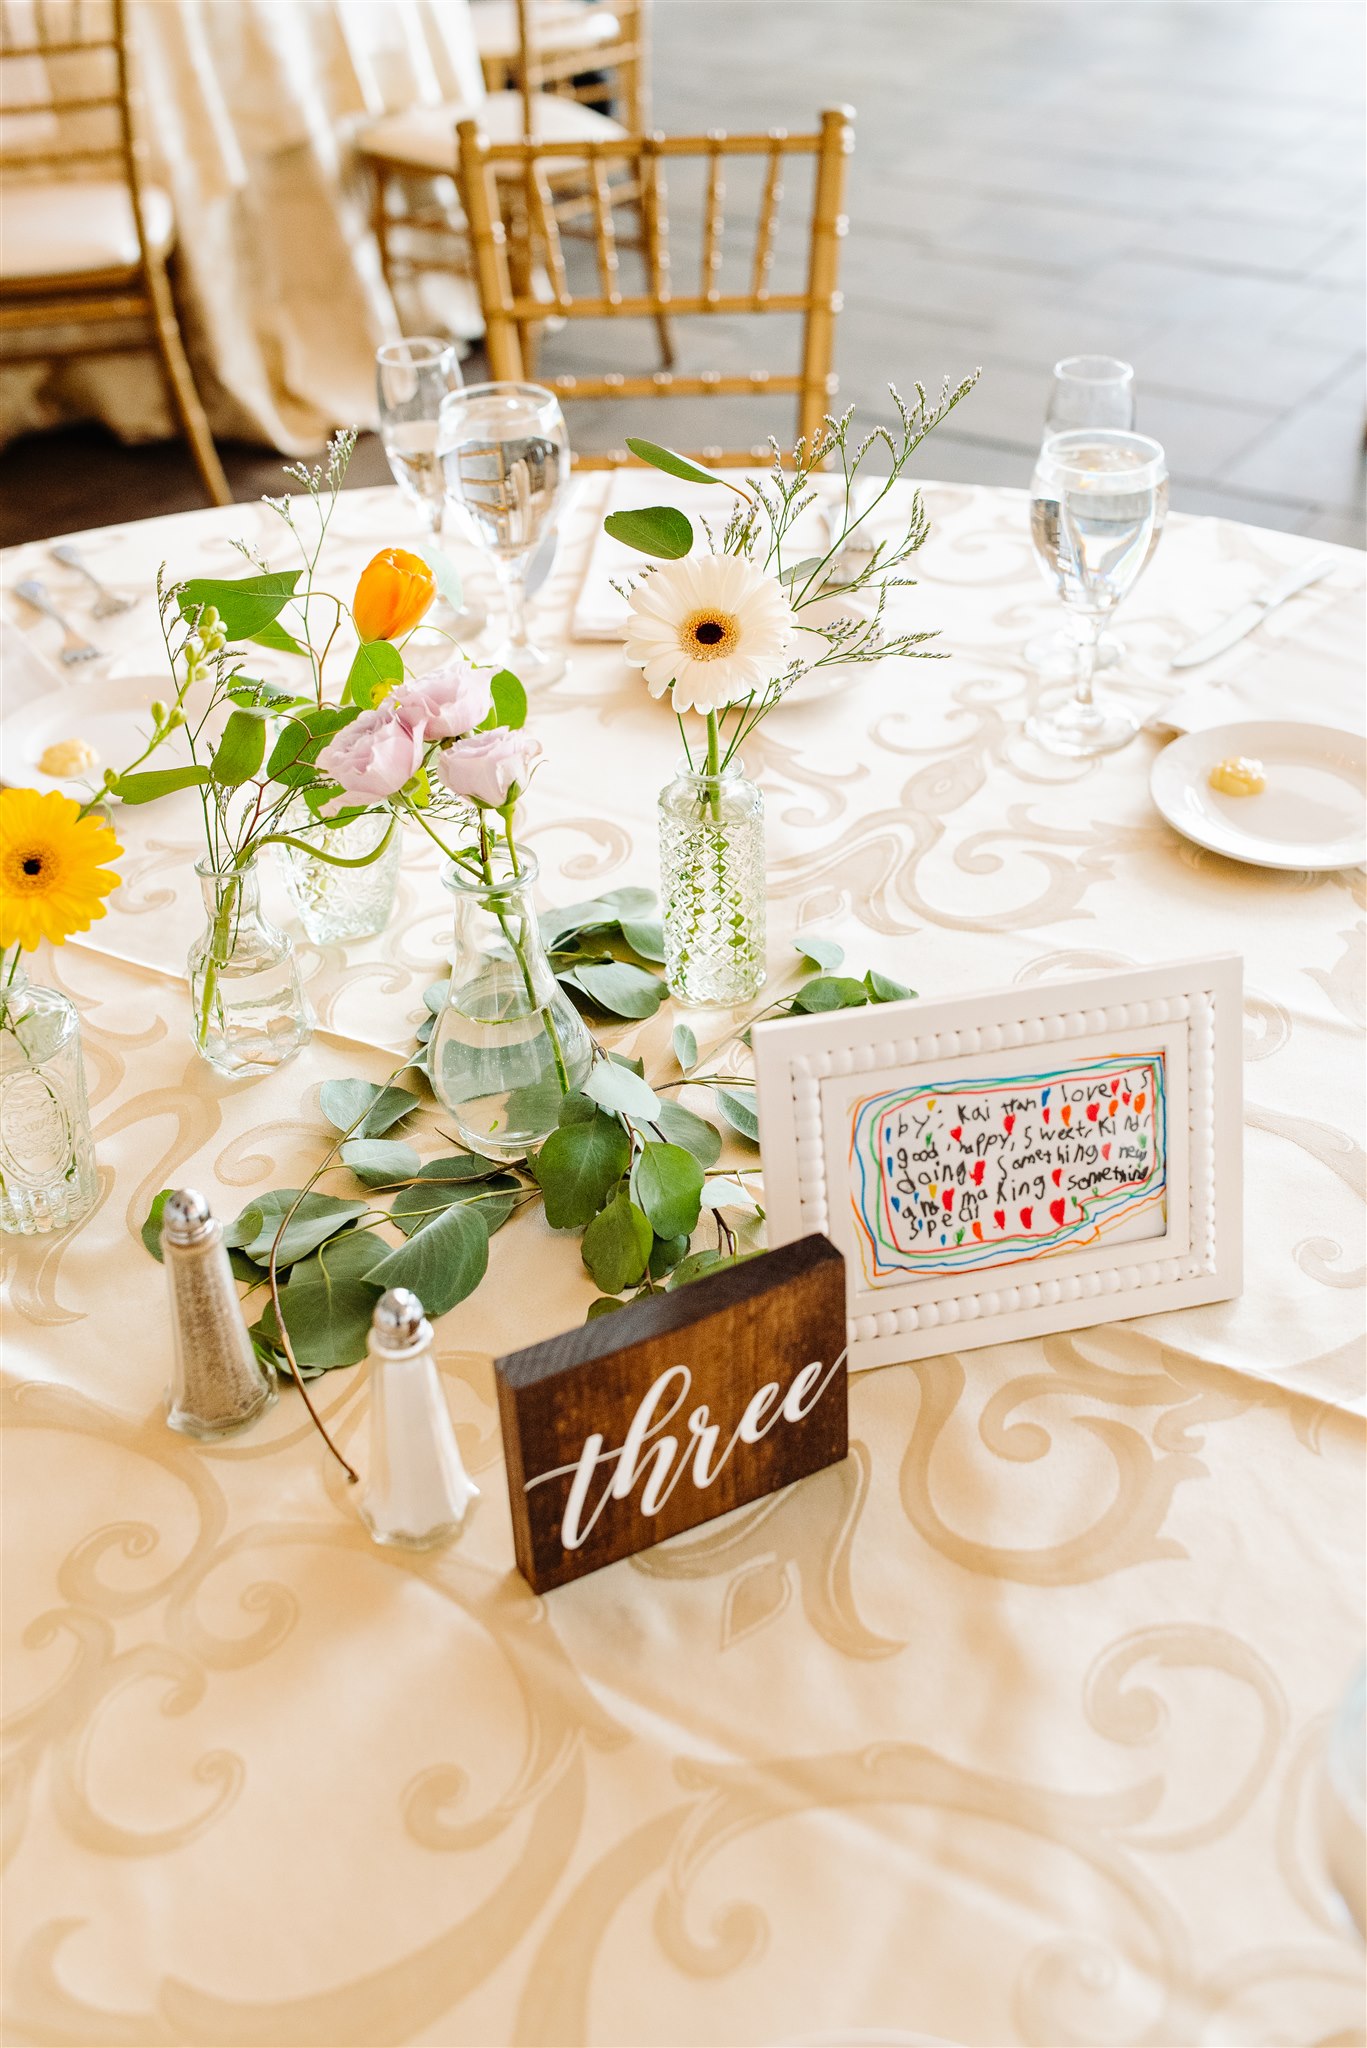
(412, 377)
(1098, 501)
(505, 459)
(1087, 391)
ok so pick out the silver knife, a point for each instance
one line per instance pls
(1253, 613)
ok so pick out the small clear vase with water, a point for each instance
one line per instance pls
(248, 1011)
(338, 903)
(712, 886)
(47, 1156)
(509, 1044)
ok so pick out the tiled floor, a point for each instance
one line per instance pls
(1178, 182)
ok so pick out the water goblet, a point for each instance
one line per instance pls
(1087, 391)
(505, 458)
(412, 377)
(1098, 501)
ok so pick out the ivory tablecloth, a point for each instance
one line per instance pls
(1005, 1730)
(248, 108)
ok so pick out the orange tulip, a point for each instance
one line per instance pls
(392, 594)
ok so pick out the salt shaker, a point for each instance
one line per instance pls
(418, 1491)
(218, 1385)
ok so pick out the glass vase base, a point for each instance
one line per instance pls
(534, 666)
(33, 1212)
(206, 1432)
(1076, 731)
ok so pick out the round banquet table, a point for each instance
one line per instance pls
(1005, 1730)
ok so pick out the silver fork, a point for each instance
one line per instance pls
(107, 605)
(74, 648)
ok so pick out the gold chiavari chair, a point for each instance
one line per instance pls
(84, 239)
(509, 308)
(544, 99)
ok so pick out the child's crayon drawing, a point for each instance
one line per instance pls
(970, 1174)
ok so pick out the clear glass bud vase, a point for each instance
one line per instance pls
(249, 1013)
(47, 1157)
(509, 1044)
(339, 903)
(712, 886)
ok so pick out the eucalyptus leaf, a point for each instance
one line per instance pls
(442, 1262)
(884, 989)
(245, 605)
(380, 1161)
(673, 465)
(694, 1267)
(665, 1254)
(618, 1088)
(342, 1102)
(242, 749)
(660, 530)
(618, 987)
(578, 1167)
(830, 992)
(317, 1218)
(617, 1244)
(330, 1300)
(150, 783)
(151, 1229)
(376, 669)
(576, 1109)
(681, 1127)
(629, 900)
(645, 936)
(822, 952)
(667, 1183)
(604, 1306)
(435, 994)
(442, 1183)
(685, 1046)
(633, 1064)
(737, 1105)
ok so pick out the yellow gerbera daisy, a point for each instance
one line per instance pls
(52, 872)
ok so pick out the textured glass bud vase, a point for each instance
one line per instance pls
(218, 1384)
(712, 886)
(509, 1044)
(339, 903)
(249, 1012)
(418, 1491)
(47, 1157)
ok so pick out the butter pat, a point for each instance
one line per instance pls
(65, 758)
(1237, 776)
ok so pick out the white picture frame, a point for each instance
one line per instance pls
(848, 1098)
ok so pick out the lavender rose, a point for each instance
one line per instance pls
(375, 755)
(446, 702)
(489, 766)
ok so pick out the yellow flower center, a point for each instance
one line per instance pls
(709, 635)
(27, 871)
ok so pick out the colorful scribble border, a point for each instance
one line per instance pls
(1093, 1225)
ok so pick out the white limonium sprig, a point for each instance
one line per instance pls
(722, 629)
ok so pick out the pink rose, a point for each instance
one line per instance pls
(375, 755)
(488, 766)
(446, 702)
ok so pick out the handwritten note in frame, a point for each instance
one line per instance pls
(1002, 1164)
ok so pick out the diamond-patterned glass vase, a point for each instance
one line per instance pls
(712, 886)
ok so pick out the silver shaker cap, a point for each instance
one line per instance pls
(398, 1321)
(186, 1217)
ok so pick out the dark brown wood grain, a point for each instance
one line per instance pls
(720, 1341)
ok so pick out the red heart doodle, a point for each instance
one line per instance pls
(1058, 1176)
(978, 1232)
(1093, 1111)
(1045, 1114)
(1026, 1214)
(999, 1218)
(1010, 1123)
(1067, 1112)
(1105, 1151)
(947, 1198)
(979, 1168)
(1056, 1209)
(957, 1133)
(1125, 1095)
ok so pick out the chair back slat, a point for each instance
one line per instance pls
(513, 309)
(545, 64)
(63, 89)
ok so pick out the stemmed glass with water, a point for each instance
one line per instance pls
(505, 459)
(1098, 501)
(1087, 391)
(412, 377)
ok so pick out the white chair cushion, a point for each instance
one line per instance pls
(425, 137)
(69, 227)
(556, 29)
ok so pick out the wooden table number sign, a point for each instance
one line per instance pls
(674, 1410)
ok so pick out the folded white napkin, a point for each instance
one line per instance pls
(24, 672)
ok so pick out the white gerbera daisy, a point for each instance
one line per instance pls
(714, 627)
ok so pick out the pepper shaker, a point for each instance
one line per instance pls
(418, 1491)
(218, 1384)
